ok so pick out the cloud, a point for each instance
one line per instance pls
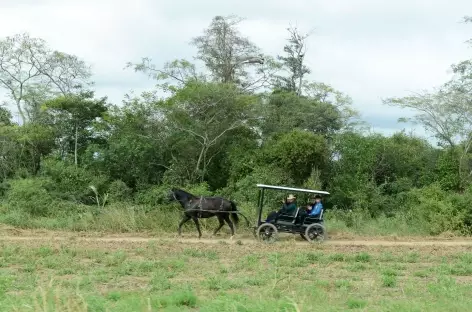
(368, 49)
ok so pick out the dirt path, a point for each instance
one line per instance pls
(131, 239)
(9, 234)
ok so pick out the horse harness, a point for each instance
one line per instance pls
(198, 206)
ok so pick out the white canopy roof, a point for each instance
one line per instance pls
(284, 188)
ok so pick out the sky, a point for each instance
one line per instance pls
(368, 49)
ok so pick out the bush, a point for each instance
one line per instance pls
(72, 183)
(30, 195)
(118, 191)
(437, 209)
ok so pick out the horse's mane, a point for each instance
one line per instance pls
(183, 193)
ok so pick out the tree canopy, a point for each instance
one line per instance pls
(231, 118)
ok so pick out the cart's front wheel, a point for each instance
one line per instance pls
(315, 232)
(267, 232)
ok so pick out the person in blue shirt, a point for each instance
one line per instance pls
(312, 210)
(315, 208)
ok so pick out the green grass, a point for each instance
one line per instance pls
(165, 275)
(126, 217)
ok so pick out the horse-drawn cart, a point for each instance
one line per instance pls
(308, 227)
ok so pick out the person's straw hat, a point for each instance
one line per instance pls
(291, 196)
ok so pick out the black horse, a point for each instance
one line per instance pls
(196, 207)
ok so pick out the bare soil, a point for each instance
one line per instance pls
(14, 234)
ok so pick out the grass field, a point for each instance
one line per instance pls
(167, 275)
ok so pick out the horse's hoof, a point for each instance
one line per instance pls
(231, 238)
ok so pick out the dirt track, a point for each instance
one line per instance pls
(9, 234)
(131, 239)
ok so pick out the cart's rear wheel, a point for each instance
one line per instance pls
(315, 233)
(267, 232)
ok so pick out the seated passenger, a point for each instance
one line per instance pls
(289, 207)
(314, 210)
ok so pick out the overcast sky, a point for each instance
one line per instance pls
(369, 49)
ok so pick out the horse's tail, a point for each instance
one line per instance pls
(235, 216)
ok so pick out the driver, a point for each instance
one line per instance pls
(289, 207)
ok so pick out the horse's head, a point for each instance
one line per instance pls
(172, 195)
(179, 195)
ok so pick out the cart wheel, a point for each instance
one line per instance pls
(267, 232)
(315, 232)
(303, 236)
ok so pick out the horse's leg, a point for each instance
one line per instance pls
(222, 223)
(228, 220)
(185, 218)
(197, 224)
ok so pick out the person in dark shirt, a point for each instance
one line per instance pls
(289, 207)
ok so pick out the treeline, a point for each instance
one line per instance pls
(234, 118)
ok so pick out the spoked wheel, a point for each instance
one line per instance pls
(267, 232)
(315, 233)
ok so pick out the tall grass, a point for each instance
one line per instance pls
(126, 217)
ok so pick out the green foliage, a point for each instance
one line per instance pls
(447, 170)
(77, 162)
(30, 196)
(72, 118)
(296, 153)
(5, 116)
(119, 192)
(72, 183)
(285, 111)
(439, 210)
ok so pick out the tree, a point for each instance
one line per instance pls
(202, 116)
(22, 147)
(72, 116)
(32, 72)
(338, 101)
(65, 73)
(319, 107)
(369, 171)
(5, 116)
(285, 111)
(293, 62)
(18, 69)
(136, 135)
(225, 53)
(447, 114)
(174, 75)
(297, 152)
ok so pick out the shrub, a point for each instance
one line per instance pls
(30, 195)
(118, 191)
(72, 183)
